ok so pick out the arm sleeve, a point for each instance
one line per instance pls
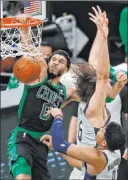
(57, 131)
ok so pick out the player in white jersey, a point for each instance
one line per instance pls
(102, 163)
(86, 127)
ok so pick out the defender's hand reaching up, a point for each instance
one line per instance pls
(101, 21)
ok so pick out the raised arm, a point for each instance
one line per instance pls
(102, 70)
(94, 52)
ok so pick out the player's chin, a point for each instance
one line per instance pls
(55, 72)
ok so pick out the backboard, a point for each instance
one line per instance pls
(37, 9)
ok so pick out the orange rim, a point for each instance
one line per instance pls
(14, 22)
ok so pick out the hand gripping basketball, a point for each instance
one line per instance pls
(27, 70)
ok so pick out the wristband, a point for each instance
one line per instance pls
(109, 99)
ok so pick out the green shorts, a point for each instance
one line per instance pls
(27, 155)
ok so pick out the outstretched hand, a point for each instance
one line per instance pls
(101, 21)
(22, 18)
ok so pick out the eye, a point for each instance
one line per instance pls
(62, 62)
(53, 59)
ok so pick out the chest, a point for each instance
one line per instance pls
(45, 94)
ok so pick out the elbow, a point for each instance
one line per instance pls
(102, 75)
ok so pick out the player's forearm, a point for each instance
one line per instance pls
(87, 154)
(103, 65)
(73, 162)
(57, 132)
(26, 40)
(94, 53)
(72, 130)
(25, 36)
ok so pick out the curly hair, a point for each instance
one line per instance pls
(85, 81)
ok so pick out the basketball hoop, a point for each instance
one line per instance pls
(13, 22)
(11, 32)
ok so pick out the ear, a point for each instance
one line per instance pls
(104, 144)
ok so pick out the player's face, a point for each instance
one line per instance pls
(57, 65)
(47, 51)
(100, 140)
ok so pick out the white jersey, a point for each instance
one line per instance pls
(110, 171)
(86, 133)
(86, 136)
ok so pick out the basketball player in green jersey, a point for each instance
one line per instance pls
(27, 155)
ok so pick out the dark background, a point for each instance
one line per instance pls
(80, 10)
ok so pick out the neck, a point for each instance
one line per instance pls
(101, 148)
(55, 81)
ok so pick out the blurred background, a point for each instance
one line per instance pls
(69, 28)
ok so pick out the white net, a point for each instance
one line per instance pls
(15, 43)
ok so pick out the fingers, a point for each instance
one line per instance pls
(95, 11)
(54, 112)
(121, 76)
(99, 10)
(92, 16)
(22, 18)
(99, 17)
(47, 143)
(92, 20)
(105, 17)
(47, 140)
(45, 137)
(48, 112)
(104, 13)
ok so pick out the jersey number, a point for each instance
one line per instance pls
(80, 132)
(44, 110)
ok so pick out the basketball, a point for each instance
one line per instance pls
(27, 70)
